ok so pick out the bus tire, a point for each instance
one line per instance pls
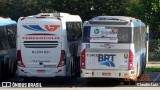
(25, 79)
(144, 66)
(126, 82)
(130, 82)
(78, 67)
(1, 74)
(71, 71)
(4, 74)
(7, 68)
(13, 70)
(69, 77)
(91, 80)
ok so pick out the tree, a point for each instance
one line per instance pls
(4, 8)
(83, 7)
(148, 11)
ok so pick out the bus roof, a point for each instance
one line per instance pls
(6, 21)
(115, 20)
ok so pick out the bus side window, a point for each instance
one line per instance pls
(86, 34)
(3, 39)
(74, 30)
(77, 30)
(123, 36)
(11, 32)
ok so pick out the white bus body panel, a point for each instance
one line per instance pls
(116, 67)
(33, 50)
(41, 39)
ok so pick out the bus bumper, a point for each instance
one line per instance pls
(41, 72)
(108, 74)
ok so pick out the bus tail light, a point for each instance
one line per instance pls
(82, 62)
(62, 59)
(59, 18)
(19, 56)
(131, 60)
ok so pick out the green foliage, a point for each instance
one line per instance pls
(18, 8)
(146, 10)
(159, 42)
(89, 8)
(153, 69)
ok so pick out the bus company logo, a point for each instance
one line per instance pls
(96, 31)
(52, 27)
(48, 28)
(107, 63)
(106, 59)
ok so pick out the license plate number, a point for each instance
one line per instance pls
(106, 74)
(40, 71)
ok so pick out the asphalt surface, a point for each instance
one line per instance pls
(79, 82)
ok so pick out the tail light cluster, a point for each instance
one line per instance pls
(82, 61)
(62, 59)
(131, 60)
(19, 56)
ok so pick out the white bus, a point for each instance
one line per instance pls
(47, 45)
(8, 30)
(113, 47)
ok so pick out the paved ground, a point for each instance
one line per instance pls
(82, 84)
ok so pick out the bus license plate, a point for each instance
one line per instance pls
(40, 71)
(106, 74)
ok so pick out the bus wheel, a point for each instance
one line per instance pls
(71, 68)
(7, 68)
(130, 82)
(3, 70)
(69, 77)
(143, 67)
(13, 70)
(25, 79)
(126, 82)
(78, 67)
(91, 80)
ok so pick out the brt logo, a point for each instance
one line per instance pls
(106, 59)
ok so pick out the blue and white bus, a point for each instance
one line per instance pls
(47, 45)
(7, 47)
(113, 47)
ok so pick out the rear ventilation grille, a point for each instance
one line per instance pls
(40, 44)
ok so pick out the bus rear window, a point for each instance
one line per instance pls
(107, 34)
